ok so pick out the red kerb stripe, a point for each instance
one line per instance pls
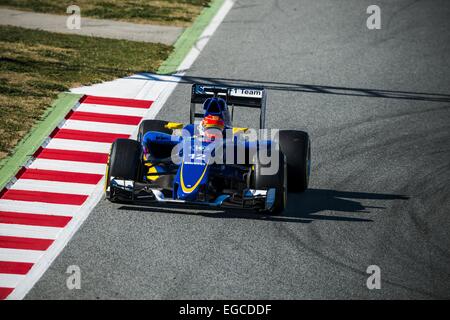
(25, 243)
(32, 219)
(71, 155)
(133, 103)
(88, 135)
(46, 197)
(106, 118)
(62, 176)
(5, 292)
(15, 267)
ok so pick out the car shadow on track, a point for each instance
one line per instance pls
(301, 208)
(301, 87)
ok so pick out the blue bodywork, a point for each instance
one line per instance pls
(196, 166)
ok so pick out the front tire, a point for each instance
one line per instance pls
(262, 180)
(124, 163)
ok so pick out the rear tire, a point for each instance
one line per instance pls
(277, 180)
(296, 146)
(124, 162)
(152, 125)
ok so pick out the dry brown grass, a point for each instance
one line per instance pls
(167, 12)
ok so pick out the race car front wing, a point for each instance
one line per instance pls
(131, 191)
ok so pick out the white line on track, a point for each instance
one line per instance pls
(19, 255)
(53, 186)
(205, 36)
(25, 231)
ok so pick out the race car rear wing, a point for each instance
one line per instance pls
(251, 97)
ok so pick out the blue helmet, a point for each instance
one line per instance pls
(217, 107)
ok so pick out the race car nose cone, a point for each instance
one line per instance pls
(191, 176)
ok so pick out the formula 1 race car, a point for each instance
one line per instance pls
(210, 162)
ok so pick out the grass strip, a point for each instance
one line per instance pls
(165, 12)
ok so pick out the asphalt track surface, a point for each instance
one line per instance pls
(377, 107)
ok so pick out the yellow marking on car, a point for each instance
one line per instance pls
(186, 189)
(239, 130)
(106, 172)
(151, 171)
(174, 125)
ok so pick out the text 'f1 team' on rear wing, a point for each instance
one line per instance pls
(251, 97)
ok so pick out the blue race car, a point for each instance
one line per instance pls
(208, 161)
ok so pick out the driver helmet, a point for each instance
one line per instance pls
(215, 117)
(212, 126)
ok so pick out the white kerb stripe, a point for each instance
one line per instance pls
(78, 145)
(98, 126)
(53, 186)
(10, 280)
(51, 209)
(103, 109)
(68, 166)
(19, 255)
(25, 231)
